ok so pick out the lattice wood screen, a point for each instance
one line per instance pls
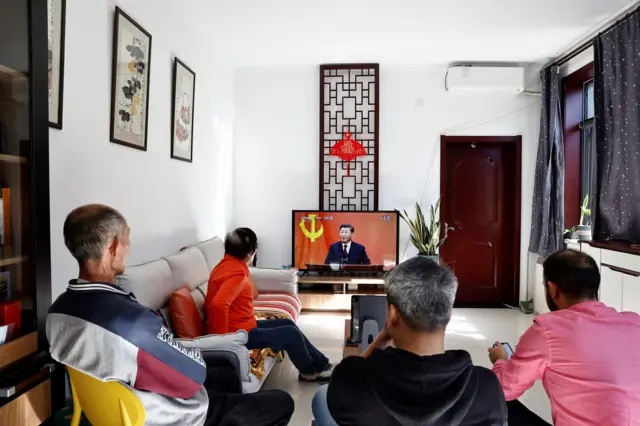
(349, 109)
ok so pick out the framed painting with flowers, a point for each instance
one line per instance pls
(130, 82)
(184, 89)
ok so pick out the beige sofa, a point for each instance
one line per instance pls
(153, 282)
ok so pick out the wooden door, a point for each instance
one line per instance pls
(480, 184)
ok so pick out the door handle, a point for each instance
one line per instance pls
(622, 270)
(489, 244)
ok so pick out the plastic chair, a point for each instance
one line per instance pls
(104, 403)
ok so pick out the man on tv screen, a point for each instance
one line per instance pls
(346, 251)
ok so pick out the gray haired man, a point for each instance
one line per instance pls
(101, 330)
(415, 381)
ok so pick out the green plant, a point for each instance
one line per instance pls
(426, 237)
(584, 211)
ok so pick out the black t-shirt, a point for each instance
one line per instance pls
(398, 388)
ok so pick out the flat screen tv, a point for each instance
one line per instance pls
(329, 240)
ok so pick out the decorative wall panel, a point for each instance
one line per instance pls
(349, 109)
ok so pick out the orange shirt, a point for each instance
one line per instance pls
(229, 301)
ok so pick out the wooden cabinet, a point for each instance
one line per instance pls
(611, 287)
(30, 409)
(25, 253)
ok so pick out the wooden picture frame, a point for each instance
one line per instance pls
(56, 22)
(183, 102)
(130, 78)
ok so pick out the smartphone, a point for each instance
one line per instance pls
(507, 347)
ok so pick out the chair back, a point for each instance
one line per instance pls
(104, 403)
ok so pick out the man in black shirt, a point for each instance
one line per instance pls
(416, 382)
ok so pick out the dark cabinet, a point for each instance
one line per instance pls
(25, 258)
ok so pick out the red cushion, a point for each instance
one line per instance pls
(185, 317)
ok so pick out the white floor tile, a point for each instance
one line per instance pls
(473, 330)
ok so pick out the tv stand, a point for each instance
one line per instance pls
(333, 292)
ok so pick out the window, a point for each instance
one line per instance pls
(587, 149)
(579, 143)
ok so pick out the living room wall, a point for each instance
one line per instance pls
(275, 162)
(168, 203)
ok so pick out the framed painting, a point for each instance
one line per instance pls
(130, 82)
(184, 90)
(56, 10)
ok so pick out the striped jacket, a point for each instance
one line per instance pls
(101, 330)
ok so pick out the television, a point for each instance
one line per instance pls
(319, 239)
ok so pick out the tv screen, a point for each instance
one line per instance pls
(345, 238)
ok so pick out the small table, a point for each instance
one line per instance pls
(348, 350)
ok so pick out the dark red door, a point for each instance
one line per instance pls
(481, 202)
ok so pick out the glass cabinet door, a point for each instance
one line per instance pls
(17, 286)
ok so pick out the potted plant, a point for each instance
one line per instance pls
(426, 236)
(581, 232)
(584, 230)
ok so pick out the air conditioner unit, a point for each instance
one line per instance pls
(479, 79)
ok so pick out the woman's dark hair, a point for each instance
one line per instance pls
(576, 274)
(240, 243)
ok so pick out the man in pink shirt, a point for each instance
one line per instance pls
(587, 354)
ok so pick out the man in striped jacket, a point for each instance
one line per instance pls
(99, 329)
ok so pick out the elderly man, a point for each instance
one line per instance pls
(99, 329)
(416, 382)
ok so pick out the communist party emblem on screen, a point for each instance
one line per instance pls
(313, 235)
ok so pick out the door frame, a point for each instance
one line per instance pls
(515, 141)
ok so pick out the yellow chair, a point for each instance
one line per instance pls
(104, 403)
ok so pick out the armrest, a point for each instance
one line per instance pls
(232, 342)
(275, 280)
(223, 372)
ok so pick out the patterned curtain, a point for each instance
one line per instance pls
(547, 224)
(617, 103)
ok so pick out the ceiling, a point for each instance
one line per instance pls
(422, 32)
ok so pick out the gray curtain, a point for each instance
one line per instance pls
(617, 102)
(547, 224)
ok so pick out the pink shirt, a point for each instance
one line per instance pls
(588, 358)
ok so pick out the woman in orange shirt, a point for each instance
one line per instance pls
(229, 308)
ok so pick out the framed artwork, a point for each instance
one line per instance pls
(184, 90)
(130, 82)
(56, 22)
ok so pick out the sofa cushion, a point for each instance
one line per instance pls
(212, 250)
(199, 294)
(185, 318)
(152, 283)
(275, 280)
(278, 305)
(233, 342)
(189, 267)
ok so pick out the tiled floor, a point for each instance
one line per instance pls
(471, 329)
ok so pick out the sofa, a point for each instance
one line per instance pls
(153, 282)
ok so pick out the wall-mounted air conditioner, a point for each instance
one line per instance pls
(481, 79)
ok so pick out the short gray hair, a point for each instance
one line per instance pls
(89, 229)
(423, 292)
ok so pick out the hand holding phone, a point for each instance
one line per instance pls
(507, 347)
(500, 351)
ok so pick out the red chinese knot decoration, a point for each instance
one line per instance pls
(348, 149)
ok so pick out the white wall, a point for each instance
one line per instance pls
(276, 145)
(168, 203)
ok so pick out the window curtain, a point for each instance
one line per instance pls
(547, 224)
(617, 101)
